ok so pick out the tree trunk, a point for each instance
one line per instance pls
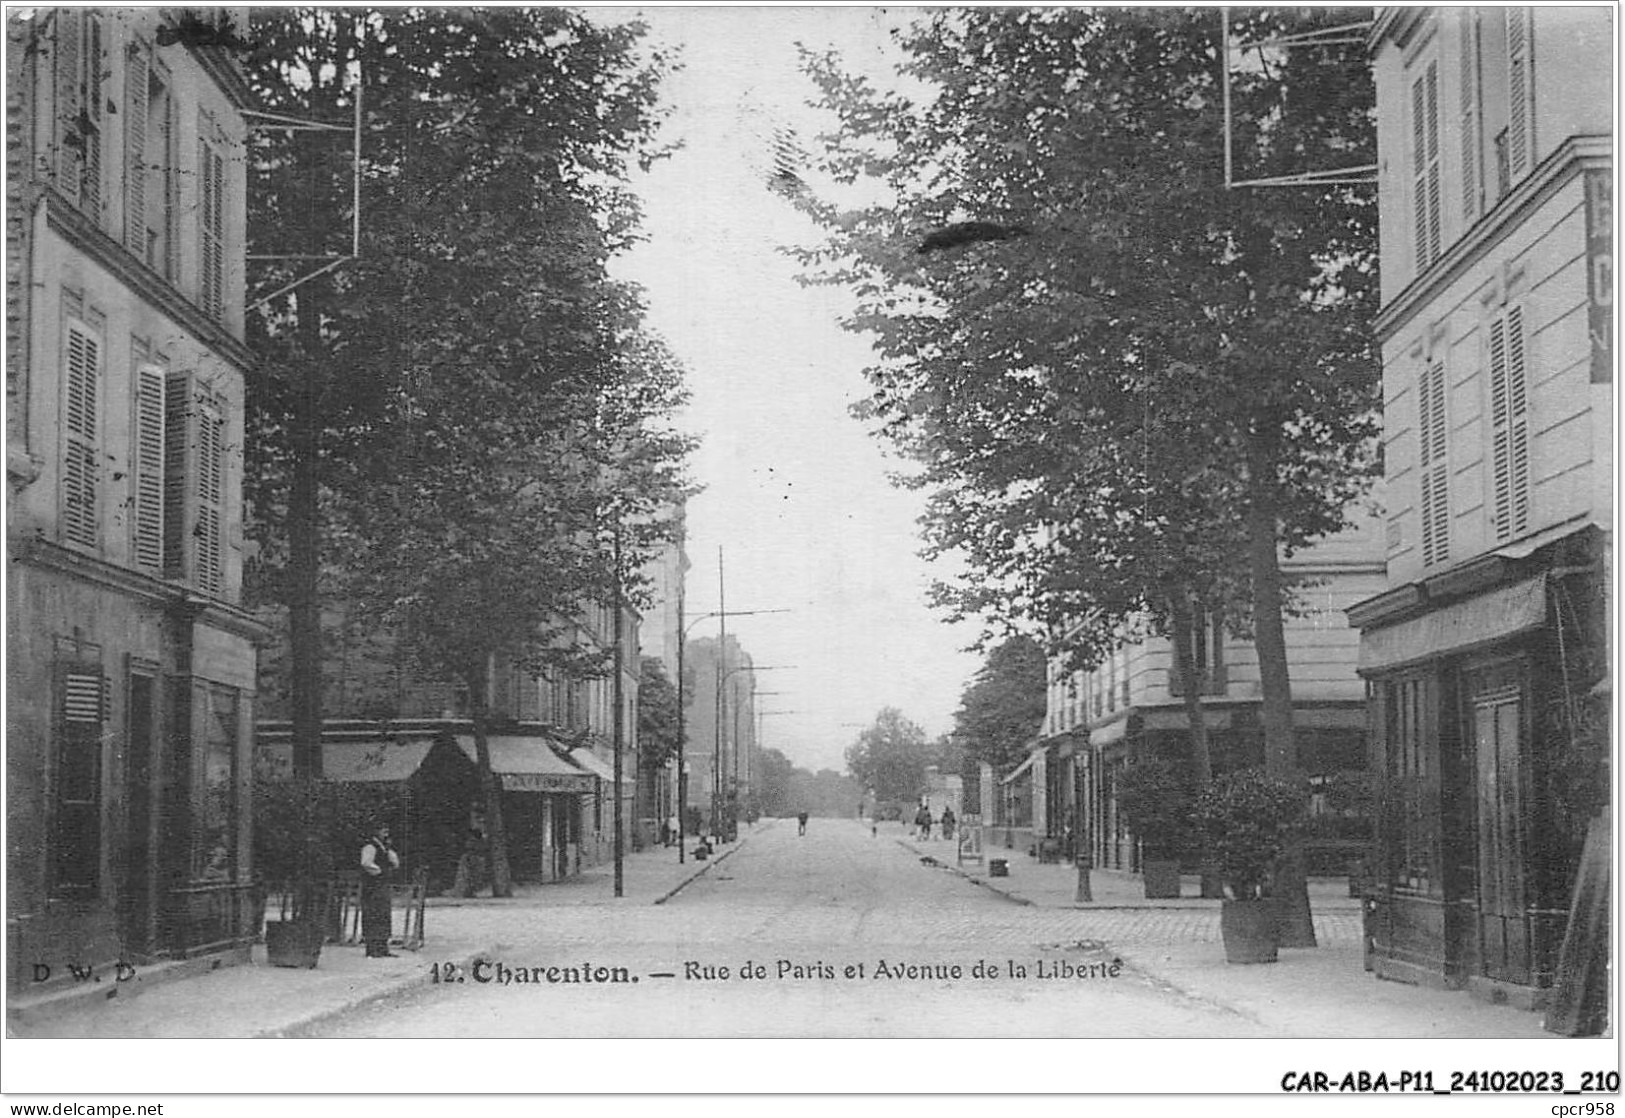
(1291, 887)
(1083, 847)
(1180, 613)
(496, 835)
(304, 547)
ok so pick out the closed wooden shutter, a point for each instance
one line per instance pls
(149, 468)
(1509, 424)
(1433, 465)
(1470, 179)
(69, 142)
(91, 111)
(212, 262)
(81, 376)
(135, 152)
(1426, 186)
(209, 531)
(76, 834)
(194, 485)
(1518, 89)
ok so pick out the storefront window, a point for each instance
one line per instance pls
(216, 835)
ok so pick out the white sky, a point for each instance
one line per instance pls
(796, 493)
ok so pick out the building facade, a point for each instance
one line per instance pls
(1134, 704)
(721, 725)
(130, 667)
(1486, 654)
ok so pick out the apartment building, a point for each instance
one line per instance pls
(131, 667)
(1487, 653)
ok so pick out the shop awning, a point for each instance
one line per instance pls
(585, 758)
(1479, 620)
(528, 764)
(359, 762)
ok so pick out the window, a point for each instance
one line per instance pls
(81, 710)
(194, 485)
(211, 231)
(1509, 424)
(81, 380)
(147, 485)
(1425, 164)
(1434, 467)
(149, 162)
(80, 105)
(215, 838)
(1206, 654)
(1413, 782)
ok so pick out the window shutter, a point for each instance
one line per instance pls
(1434, 468)
(194, 486)
(177, 474)
(210, 499)
(1469, 116)
(91, 109)
(135, 153)
(1509, 419)
(211, 183)
(70, 141)
(1435, 238)
(1518, 418)
(1426, 185)
(77, 508)
(149, 468)
(76, 838)
(1517, 30)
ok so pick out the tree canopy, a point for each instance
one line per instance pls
(1098, 392)
(1003, 708)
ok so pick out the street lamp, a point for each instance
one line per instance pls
(717, 711)
(682, 722)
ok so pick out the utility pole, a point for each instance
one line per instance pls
(620, 714)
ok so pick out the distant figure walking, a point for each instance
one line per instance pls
(801, 823)
(922, 820)
(948, 822)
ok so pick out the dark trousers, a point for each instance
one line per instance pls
(375, 915)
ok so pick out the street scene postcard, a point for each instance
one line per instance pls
(822, 523)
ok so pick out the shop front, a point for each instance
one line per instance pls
(1479, 690)
(543, 796)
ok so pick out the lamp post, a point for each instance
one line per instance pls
(717, 711)
(682, 718)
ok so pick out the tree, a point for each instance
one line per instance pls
(465, 420)
(1146, 389)
(890, 757)
(1001, 711)
(657, 715)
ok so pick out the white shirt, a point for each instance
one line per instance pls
(369, 859)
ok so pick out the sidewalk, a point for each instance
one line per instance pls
(1323, 991)
(258, 1000)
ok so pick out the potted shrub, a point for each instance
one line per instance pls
(1155, 798)
(1247, 820)
(293, 863)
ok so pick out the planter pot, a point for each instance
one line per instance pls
(293, 943)
(1161, 878)
(1248, 928)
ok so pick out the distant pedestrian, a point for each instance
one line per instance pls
(379, 865)
(922, 820)
(801, 823)
(948, 822)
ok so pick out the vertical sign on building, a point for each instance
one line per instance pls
(1600, 272)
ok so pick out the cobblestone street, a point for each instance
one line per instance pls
(833, 916)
